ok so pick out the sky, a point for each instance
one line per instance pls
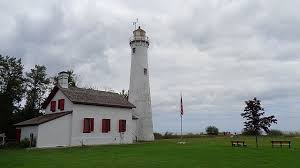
(218, 53)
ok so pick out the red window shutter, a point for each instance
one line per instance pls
(120, 125)
(61, 104)
(124, 125)
(18, 135)
(92, 124)
(84, 126)
(53, 106)
(108, 125)
(58, 104)
(103, 125)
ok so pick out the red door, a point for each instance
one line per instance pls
(18, 135)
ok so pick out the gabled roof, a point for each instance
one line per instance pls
(42, 119)
(90, 97)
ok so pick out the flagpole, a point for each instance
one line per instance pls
(180, 126)
(181, 113)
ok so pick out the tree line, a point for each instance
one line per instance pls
(22, 93)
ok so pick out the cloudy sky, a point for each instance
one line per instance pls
(218, 53)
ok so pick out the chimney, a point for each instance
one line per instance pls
(63, 79)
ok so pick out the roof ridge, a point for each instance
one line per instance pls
(90, 96)
(91, 89)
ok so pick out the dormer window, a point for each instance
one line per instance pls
(61, 104)
(53, 106)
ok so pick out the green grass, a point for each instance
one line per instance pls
(201, 152)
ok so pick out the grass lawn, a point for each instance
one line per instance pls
(211, 152)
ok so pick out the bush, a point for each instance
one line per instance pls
(25, 143)
(169, 135)
(212, 130)
(250, 132)
(292, 134)
(158, 135)
(274, 132)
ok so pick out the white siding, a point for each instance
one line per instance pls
(60, 95)
(26, 131)
(98, 113)
(55, 133)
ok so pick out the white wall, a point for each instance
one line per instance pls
(60, 95)
(26, 131)
(55, 133)
(98, 113)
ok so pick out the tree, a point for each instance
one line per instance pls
(212, 130)
(37, 84)
(11, 90)
(72, 79)
(255, 122)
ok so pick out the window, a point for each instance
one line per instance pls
(133, 50)
(61, 104)
(18, 134)
(53, 106)
(122, 125)
(105, 125)
(145, 71)
(88, 125)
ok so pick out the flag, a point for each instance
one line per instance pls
(181, 105)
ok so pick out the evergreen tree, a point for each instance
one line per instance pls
(253, 113)
(11, 91)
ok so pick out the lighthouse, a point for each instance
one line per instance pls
(139, 88)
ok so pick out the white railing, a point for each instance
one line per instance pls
(139, 38)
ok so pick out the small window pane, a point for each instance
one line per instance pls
(133, 50)
(145, 71)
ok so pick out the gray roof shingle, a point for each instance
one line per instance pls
(42, 119)
(91, 97)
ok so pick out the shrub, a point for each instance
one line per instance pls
(168, 135)
(250, 132)
(212, 130)
(292, 134)
(274, 132)
(25, 143)
(158, 135)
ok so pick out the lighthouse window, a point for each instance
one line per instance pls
(133, 50)
(145, 71)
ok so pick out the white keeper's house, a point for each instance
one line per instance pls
(77, 116)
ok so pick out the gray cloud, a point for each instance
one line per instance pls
(218, 53)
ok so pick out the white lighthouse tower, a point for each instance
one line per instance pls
(139, 88)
